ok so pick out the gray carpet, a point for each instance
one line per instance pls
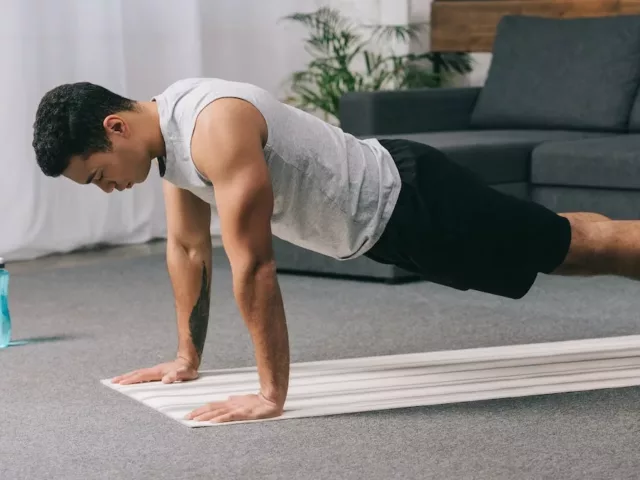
(95, 321)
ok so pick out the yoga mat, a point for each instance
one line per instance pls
(352, 385)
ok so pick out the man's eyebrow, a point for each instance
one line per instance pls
(90, 179)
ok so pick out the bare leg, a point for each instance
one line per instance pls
(586, 216)
(601, 246)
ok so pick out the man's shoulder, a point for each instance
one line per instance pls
(212, 104)
(228, 123)
(189, 83)
(184, 84)
(197, 92)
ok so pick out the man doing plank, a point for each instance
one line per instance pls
(267, 168)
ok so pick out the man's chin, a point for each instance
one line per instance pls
(143, 175)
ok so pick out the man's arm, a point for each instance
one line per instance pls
(189, 266)
(227, 147)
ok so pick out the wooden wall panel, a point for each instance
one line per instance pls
(629, 7)
(470, 25)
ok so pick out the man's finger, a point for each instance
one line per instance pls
(134, 373)
(123, 376)
(230, 417)
(173, 375)
(212, 414)
(120, 378)
(210, 407)
(141, 376)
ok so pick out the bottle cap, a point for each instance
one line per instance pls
(1, 262)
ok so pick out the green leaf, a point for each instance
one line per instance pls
(338, 50)
(401, 33)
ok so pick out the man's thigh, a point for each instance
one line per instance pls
(456, 230)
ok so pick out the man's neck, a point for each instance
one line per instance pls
(151, 122)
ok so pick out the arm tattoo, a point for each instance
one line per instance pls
(199, 318)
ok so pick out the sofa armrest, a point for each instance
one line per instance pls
(407, 111)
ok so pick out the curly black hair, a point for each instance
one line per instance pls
(69, 122)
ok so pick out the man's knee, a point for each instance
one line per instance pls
(585, 216)
(588, 248)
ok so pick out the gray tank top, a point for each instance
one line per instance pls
(333, 193)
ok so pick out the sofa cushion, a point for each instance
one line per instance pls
(577, 73)
(497, 156)
(615, 204)
(634, 118)
(610, 162)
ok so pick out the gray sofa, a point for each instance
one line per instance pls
(557, 121)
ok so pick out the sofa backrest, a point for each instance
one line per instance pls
(577, 73)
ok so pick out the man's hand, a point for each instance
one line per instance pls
(237, 408)
(168, 372)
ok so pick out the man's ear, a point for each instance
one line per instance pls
(114, 124)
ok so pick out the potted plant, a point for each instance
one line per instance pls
(346, 59)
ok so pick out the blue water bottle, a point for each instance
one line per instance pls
(5, 318)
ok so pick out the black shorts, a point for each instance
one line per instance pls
(453, 229)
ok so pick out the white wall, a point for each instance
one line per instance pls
(43, 44)
(244, 40)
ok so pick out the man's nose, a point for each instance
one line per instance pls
(107, 186)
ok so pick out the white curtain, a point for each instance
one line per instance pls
(136, 48)
(132, 47)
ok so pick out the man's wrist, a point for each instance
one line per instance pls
(189, 358)
(274, 395)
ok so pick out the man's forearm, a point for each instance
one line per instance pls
(190, 273)
(260, 302)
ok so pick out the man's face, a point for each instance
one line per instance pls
(126, 164)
